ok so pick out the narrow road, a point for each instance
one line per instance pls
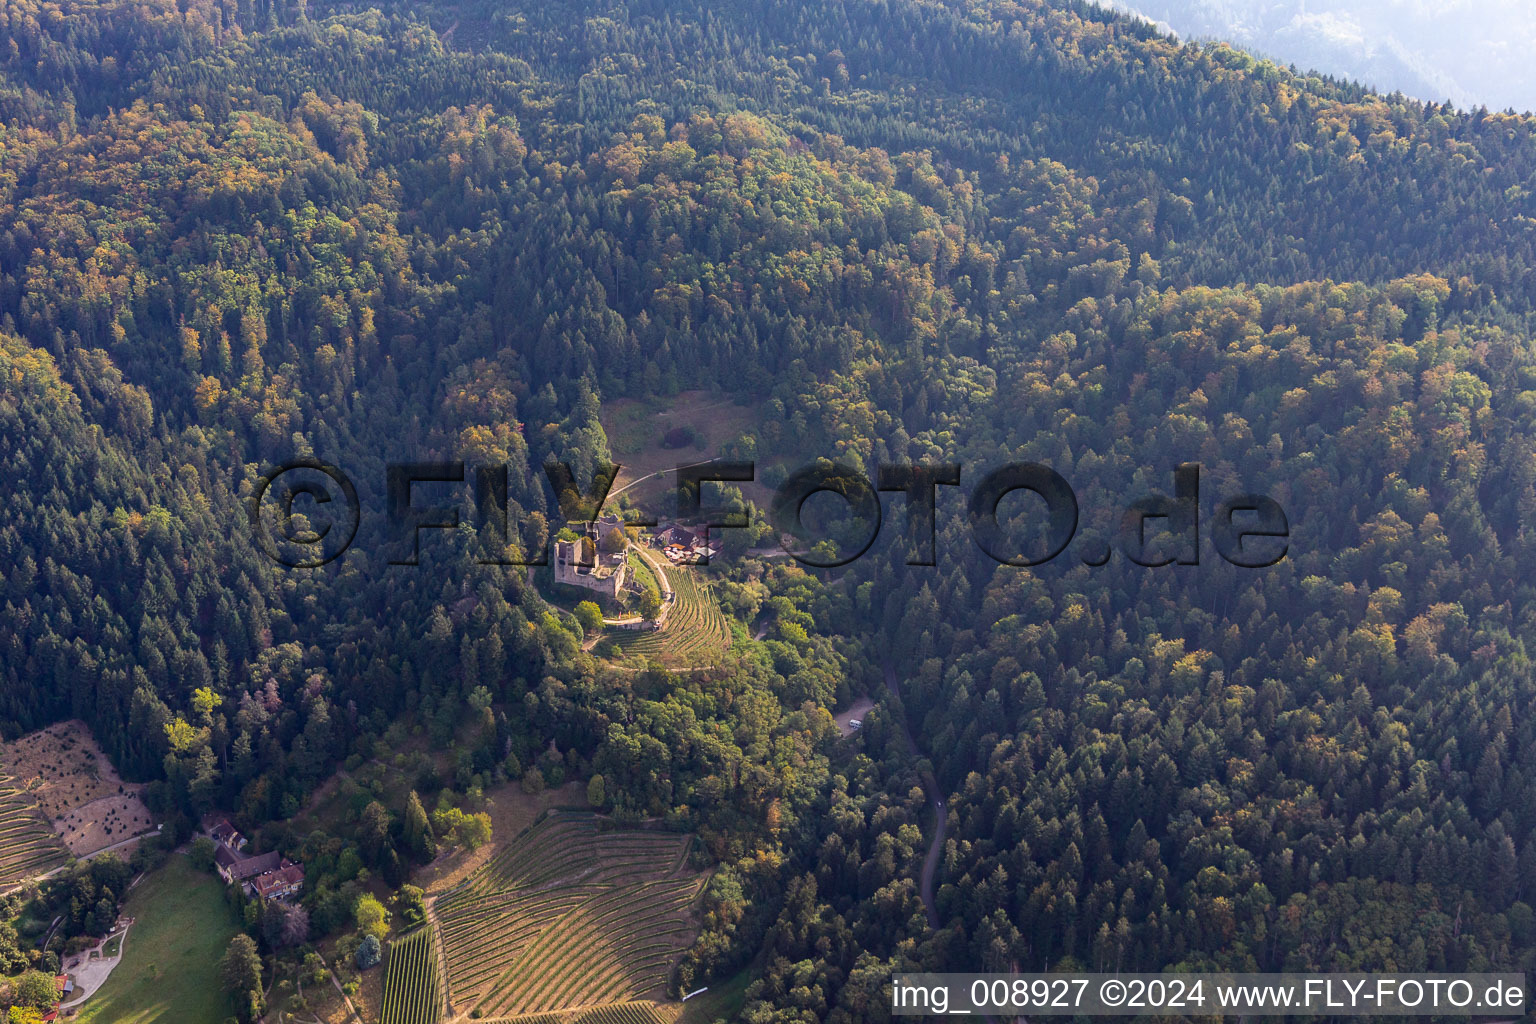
(652, 476)
(119, 845)
(940, 827)
(940, 815)
(51, 929)
(80, 860)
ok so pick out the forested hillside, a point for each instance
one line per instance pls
(237, 233)
(1429, 51)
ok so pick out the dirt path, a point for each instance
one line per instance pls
(940, 828)
(343, 993)
(126, 842)
(445, 1006)
(81, 859)
(655, 474)
(766, 552)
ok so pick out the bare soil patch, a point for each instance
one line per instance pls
(369, 999)
(66, 772)
(854, 713)
(103, 822)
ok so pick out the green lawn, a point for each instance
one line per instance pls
(643, 572)
(723, 1001)
(170, 972)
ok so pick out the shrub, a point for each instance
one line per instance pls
(533, 781)
(35, 989)
(678, 437)
(372, 918)
(201, 853)
(590, 616)
(369, 952)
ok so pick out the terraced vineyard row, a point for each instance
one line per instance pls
(28, 844)
(412, 989)
(567, 916)
(553, 848)
(696, 632)
(613, 1013)
(478, 949)
(615, 945)
(563, 847)
(621, 1013)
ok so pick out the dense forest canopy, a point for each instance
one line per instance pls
(238, 232)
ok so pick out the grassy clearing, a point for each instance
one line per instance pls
(512, 811)
(636, 427)
(170, 970)
(724, 1000)
(67, 774)
(643, 572)
(295, 996)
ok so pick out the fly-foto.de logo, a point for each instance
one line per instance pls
(306, 513)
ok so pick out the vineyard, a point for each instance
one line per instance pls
(613, 1013)
(696, 633)
(412, 987)
(28, 844)
(568, 916)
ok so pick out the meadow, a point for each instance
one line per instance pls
(170, 968)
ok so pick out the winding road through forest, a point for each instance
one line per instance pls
(940, 825)
(940, 812)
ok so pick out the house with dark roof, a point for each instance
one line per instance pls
(680, 536)
(684, 544)
(225, 834)
(234, 868)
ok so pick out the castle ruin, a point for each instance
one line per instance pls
(585, 562)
